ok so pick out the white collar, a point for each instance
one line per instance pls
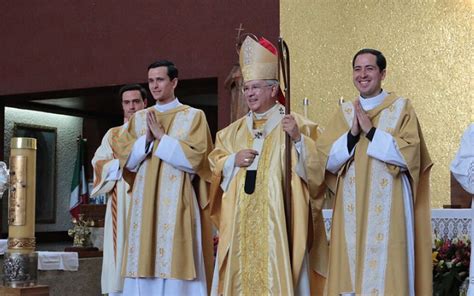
(371, 103)
(262, 115)
(168, 106)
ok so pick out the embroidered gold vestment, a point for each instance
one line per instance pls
(368, 245)
(253, 256)
(161, 237)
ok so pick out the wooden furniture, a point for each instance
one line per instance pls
(94, 212)
(85, 252)
(39, 290)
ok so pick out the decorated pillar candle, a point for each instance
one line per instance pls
(21, 204)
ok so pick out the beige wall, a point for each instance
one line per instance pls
(428, 48)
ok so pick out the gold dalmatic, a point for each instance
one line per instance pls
(369, 242)
(161, 232)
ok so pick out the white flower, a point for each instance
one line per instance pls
(464, 238)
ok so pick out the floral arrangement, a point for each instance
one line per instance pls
(81, 232)
(450, 264)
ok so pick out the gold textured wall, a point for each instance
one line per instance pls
(428, 47)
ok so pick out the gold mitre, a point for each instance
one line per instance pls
(256, 61)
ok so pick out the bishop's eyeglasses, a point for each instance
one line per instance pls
(254, 88)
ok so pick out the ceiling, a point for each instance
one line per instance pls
(104, 101)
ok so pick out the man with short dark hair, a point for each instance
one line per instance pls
(108, 180)
(133, 99)
(164, 152)
(373, 156)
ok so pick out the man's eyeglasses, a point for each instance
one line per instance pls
(254, 88)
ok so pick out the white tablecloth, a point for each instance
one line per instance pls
(58, 261)
(51, 260)
(451, 223)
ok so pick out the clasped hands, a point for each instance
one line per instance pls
(154, 128)
(245, 157)
(361, 120)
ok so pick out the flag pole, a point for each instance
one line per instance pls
(79, 194)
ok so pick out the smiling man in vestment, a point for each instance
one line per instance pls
(373, 156)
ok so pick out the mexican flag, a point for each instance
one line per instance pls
(79, 194)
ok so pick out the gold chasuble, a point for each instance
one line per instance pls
(253, 256)
(161, 238)
(369, 248)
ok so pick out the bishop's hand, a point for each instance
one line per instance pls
(291, 127)
(245, 157)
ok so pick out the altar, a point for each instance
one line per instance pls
(57, 270)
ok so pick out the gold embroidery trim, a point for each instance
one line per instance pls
(254, 229)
